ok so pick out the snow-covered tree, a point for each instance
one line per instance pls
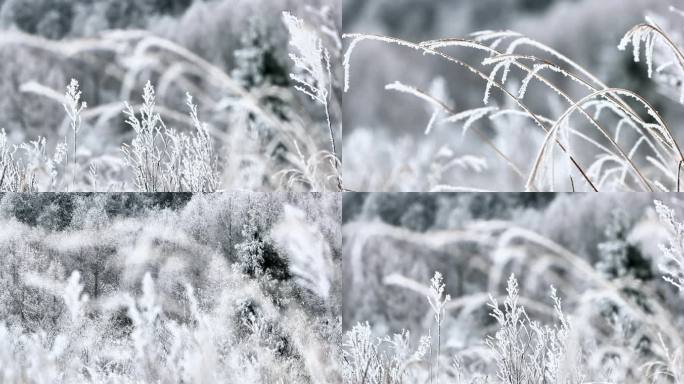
(250, 251)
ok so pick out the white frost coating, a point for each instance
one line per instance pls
(311, 59)
(310, 256)
(672, 263)
(73, 105)
(493, 35)
(74, 298)
(165, 160)
(506, 65)
(407, 89)
(314, 75)
(526, 81)
(436, 44)
(356, 38)
(74, 109)
(470, 116)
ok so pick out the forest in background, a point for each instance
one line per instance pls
(169, 288)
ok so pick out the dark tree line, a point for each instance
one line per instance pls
(56, 19)
(56, 211)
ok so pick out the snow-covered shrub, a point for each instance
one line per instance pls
(16, 177)
(673, 251)
(524, 351)
(670, 365)
(161, 159)
(164, 160)
(250, 252)
(528, 352)
(388, 360)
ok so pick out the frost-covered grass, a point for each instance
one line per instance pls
(522, 350)
(586, 135)
(169, 288)
(259, 120)
(164, 160)
(578, 289)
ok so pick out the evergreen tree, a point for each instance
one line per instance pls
(617, 256)
(256, 61)
(49, 18)
(257, 66)
(250, 251)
